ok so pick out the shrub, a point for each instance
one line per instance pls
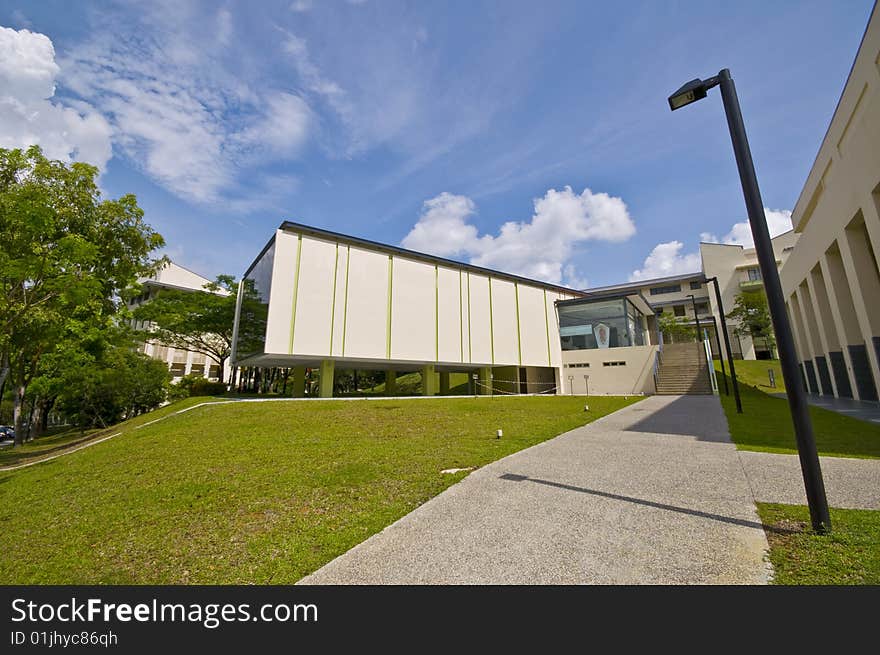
(203, 387)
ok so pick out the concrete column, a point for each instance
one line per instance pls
(299, 381)
(827, 329)
(429, 380)
(842, 311)
(390, 383)
(812, 328)
(804, 341)
(864, 282)
(484, 379)
(444, 383)
(325, 382)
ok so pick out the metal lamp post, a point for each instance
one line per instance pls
(797, 400)
(739, 407)
(696, 315)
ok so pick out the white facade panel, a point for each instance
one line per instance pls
(338, 304)
(553, 321)
(465, 318)
(413, 333)
(367, 305)
(533, 327)
(480, 341)
(505, 331)
(281, 295)
(314, 298)
(450, 344)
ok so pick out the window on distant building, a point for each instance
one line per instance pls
(702, 307)
(754, 274)
(671, 288)
(678, 310)
(696, 285)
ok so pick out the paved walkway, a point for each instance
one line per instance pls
(861, 409)
(654, 493)
(849, 483)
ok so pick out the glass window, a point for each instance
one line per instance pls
(678, 310)
(696, 285)
(254, 309)
(754, 274)
(702, 307)
(594, 324)
(672, 288)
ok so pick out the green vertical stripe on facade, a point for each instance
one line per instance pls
(491, 323)
(299, 243)
(388, 321)
(518, 336)
(547, 326)
(436, 313)
(333, 305)
(345, 302)
(470, 343)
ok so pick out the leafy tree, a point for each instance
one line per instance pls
(751, 315)
(198, 321)
(676, 327)
(66, 257)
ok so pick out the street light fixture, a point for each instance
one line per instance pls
(797, 398)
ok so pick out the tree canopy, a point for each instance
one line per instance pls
(752, 318)
(68, 256)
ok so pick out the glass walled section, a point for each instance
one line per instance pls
(589, 324)
(256, 286)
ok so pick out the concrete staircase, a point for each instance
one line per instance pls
(683, 370)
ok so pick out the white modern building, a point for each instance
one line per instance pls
(831, 281)
(319, 300)
(180, 362)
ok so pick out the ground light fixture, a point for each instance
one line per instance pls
(797, 397)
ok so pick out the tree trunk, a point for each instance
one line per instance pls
(17, 418)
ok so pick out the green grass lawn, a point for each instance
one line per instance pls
(58, 440)
(765, 425)
(754, 373)
(848, 555)
(254, 492)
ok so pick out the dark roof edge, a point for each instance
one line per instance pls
(259, 257)
(607, 295)
(412, 254)
(643, 283)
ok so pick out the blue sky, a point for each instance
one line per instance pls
(529, 137)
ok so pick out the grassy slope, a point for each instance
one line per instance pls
(849, 555)
(765, 425)
(55, 442)
(254, 492)
(754, 373)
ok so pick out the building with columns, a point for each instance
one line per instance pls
(831, 281)
(180, 362)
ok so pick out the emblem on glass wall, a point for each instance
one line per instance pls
(602, 335)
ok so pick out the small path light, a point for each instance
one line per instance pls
(499, 433)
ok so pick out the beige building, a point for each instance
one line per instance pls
(831, 280)
(737, 270)
(180, 362)
(324, 301)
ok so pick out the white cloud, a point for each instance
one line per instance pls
(301, 6)
(778, 221)
(29, 114)
(667, 259)
(186, 121)
(539, 248)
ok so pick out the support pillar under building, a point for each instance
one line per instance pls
(299, 381)
(429, 380)
(484, 381)
(390, 383)
(325, 382)
(444, 383)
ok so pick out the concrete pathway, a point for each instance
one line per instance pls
(849, 483)
(865, 410)
(654, 493)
